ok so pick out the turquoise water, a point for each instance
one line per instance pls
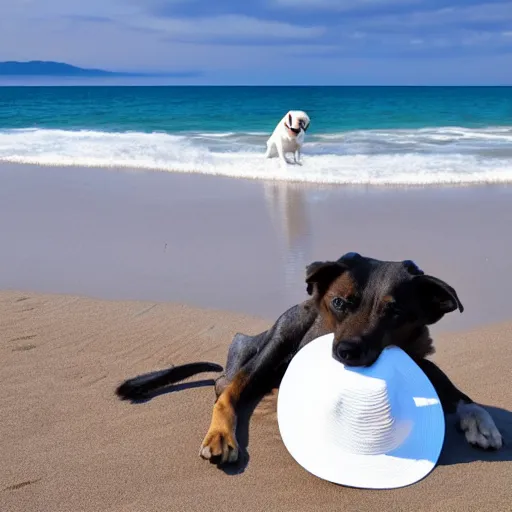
(373, 135)
(239, 109)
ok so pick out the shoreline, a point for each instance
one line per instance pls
(356, 186)
(302, 181)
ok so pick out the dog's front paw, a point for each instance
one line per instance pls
(479, 427)
(219, 446)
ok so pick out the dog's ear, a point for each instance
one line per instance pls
(436, 298)
(350, 258)
(320, 274)
(412, 268)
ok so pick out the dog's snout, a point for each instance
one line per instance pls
(355, 352)
(348, 351)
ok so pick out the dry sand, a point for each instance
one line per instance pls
(67, 444)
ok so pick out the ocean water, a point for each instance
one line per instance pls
(358, 135)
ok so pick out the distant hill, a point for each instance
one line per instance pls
(61, 69)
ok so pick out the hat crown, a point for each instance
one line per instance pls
(364, 413)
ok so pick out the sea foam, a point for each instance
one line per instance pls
(448, 155)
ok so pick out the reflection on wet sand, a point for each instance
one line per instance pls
(288, 208)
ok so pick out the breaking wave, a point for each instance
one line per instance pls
(429, 156)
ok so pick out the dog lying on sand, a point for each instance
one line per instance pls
(368, 304)
(288, 136)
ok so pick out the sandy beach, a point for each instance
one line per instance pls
(105, 274)
(68, 444)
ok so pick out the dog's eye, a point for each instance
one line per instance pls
(339, 304)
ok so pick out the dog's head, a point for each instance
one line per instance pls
(297, 121)
(370, 304)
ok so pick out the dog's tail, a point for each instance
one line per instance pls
(139, 387)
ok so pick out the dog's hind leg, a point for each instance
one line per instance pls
(476, 423)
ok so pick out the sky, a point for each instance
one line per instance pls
(275, 42)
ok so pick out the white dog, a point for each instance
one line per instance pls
(288, 136)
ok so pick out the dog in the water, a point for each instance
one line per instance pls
(288, 136)
(368, 304)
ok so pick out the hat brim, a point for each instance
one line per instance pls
(301, 420)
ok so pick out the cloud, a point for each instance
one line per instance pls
(443, 19)
(339, 5)
(342, 41)
(458, 42)
(26, 10)
(225, 28)
(139, 15)
(89, 19)
(442, 32)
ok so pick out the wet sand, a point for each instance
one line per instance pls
(241, 245)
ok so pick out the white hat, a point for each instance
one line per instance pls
(380, 427)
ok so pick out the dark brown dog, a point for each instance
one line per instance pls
(368, 304)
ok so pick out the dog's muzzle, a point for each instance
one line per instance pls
(354, 352)
(294, 130)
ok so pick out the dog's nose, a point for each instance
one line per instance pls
(349, 352)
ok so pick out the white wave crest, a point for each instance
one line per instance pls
(374, 157)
